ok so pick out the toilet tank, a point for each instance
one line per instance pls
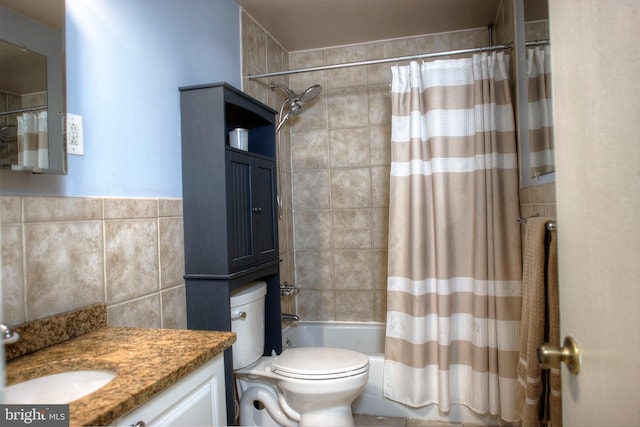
(247, 321)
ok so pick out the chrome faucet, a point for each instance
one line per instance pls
(8, 336)
(286, 316)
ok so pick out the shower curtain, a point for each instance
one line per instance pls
(33, 140)
(540, 111)
(454, 270)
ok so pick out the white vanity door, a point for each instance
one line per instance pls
(196, 400)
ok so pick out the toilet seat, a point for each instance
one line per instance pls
(319, 363)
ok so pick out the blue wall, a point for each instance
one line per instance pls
(125, 62)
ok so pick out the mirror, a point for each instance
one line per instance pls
(31, 96)
(535, 123)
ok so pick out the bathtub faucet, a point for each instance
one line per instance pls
(286, 316)
(287, 290)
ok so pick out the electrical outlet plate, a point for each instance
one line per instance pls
(75, 137)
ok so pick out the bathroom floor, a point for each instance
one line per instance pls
(376, 421)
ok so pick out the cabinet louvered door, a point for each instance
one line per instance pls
(240, 239)
(264, 210)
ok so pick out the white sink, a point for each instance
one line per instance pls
(58, 388)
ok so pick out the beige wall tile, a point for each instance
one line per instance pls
(130, 208)
(13, 309)
(381, 73)
(131, 257)
(347, 107)
(352, 228)
(380, 144)
(349, 147)
(380, 306)
(10, 209)
(380, 227)
(303, 59)
(430, 43)
(170, 207)
(311, 149)
(174, 313)
(468, 39)
(64, 266)
(379, 104)
(37, 209)
(312, 230)
(171, 252)
(351, 188)
(316, 305)
(380, 261)
(65, 258)
(253, 43)
(311, 189)
(380, 186)
(314, 114)
(138, 313)
(354, 305)
(353, 269)
(314, 269)
(346, 77)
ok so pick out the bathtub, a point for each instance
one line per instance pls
(368, 338)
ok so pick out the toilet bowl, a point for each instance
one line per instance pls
(304, 387)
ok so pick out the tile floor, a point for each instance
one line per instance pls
(376, 421)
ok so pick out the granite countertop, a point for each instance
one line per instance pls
(146, 361)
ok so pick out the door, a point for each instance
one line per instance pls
(264, 210)
(240, 237)
(596, 64)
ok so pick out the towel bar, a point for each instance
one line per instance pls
(551, 225)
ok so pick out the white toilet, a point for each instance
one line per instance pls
(306, 386)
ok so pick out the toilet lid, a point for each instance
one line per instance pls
(319, 363)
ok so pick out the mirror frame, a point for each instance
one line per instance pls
(526, 180)
(24, 32)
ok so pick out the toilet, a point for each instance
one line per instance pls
(301, 387)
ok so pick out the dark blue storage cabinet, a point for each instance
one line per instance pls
(230, 210)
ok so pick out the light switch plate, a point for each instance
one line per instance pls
(75, 135)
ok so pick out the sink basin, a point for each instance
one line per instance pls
(58, 388)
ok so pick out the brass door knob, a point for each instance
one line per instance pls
(550, 356)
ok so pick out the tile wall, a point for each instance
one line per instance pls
(62, 253)
(335, 159)
(340, 157)
(261, 53)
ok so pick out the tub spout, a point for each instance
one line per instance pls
(286, 316)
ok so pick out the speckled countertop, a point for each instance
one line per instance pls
(146, 361)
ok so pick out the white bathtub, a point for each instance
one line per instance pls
(368, 338)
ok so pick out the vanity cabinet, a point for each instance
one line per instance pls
(196, 400)
(229, 210)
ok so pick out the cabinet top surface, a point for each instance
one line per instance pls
(146, 361)
(229, 88)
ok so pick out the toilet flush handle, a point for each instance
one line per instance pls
(238, 315)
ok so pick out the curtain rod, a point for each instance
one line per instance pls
(24, 110)
(396, 59)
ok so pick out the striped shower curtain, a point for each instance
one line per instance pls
(454, 272)
(540, 111)
(33, 140)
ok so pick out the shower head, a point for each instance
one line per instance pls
(311, 93)
(294, 101)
